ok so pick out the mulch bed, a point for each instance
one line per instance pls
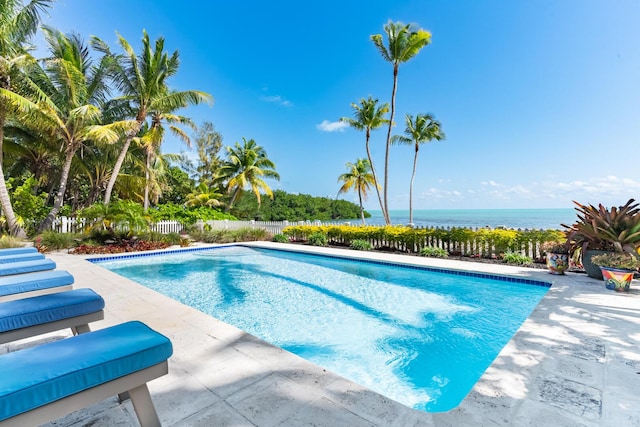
(118, 248)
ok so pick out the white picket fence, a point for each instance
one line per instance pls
(64, 224)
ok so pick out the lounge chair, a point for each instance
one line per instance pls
(15, 251)
(48, 381)
(33, 284)
(32, 256)
(33, 316)
(26, 267)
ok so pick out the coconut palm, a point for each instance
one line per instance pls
(204, 196)
(360, 178)
(63, 102)
(142, 79)
(369, 116)
(244, 167)
(403, 43)
(419, 131)
(18, 23)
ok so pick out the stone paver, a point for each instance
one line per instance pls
(574, 362)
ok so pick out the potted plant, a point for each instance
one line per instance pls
(557, 256)
(599, 230)
(618, 269)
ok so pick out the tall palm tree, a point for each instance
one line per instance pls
(403, 43)
(369, 116)
(18, 23)
(245, 166)
(360, 178)
(142, 79)
(419, 131)
(64, 98)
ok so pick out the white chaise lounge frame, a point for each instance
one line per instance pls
(78, 325)
(135, 384)
(36, 293)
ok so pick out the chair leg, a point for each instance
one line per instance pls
(80, 329)
(143, 406)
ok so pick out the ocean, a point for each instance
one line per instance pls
(475, 218)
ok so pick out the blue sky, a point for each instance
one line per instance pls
(539, 100)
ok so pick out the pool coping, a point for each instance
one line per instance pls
(575, 361)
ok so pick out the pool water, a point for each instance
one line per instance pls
(420, 337)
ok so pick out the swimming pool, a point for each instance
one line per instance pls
(420, 336)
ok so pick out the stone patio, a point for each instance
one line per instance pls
(574, 362)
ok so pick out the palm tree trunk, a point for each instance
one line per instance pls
(119, 162)
(233, 199)
(413, 175)
(361, 207)
(45, 225)
(386, 155)
(373, 172)
(5, 201)
(146, 181)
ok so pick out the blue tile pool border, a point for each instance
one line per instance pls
(466, 273)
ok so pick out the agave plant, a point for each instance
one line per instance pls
(616, 229)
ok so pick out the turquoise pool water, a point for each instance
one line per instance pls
(420, 337)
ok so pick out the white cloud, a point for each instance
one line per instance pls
(276, 99)
(327, 126)
(491, 183)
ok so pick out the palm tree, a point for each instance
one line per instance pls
(358, 177)
(419, 131)
(204, 196)
(19, 23)
(245, 166)
(143, 81)
(368, 116)
(403, 43)
(63, 103)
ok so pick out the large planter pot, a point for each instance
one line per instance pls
(617, 279)
(557, 263)
(590, 268)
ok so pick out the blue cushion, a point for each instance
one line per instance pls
(26, 267)
(20, 283)
(32, 311)
(20, 257)
(14, 251)
(39, 375)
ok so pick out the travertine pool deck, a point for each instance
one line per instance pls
(574, 362)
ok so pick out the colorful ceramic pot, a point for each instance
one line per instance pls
(617, 279)
(557, 263)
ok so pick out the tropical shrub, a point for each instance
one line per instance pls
(361, 245)
(246, 234)
(280, 238)
(434, 252)
(462, 241)
(249, 234)
(516, 258)
(54, 241)
(318, 239)
(10, 242)
(186, 215)
(31, 208)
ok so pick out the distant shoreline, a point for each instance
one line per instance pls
(476, 218)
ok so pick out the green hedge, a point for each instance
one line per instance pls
(482, 242)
